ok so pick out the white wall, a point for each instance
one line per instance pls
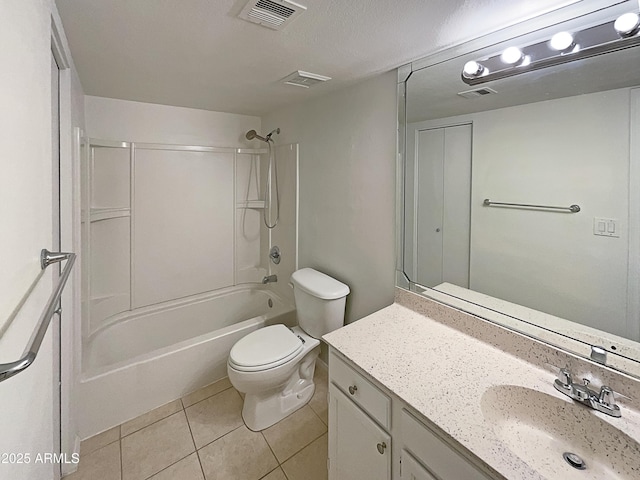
(26, 218)
(557, 152)
(110, 119)
(347, 187)
(560, 152)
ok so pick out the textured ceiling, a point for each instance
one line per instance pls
(197, 53)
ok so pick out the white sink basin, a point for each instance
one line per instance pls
(539, 428)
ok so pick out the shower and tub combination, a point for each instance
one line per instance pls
(173, 280)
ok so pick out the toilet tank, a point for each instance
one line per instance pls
(320, 301)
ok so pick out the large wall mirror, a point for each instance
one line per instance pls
(521, 199)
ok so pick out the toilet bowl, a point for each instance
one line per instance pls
(274, 366)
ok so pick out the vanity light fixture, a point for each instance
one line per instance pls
(472, 69)
(562, 42)
(627, 24)
(563, 47)
(512, 56)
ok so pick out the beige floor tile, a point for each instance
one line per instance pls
(310, 463)
(101, 464)
(206, 392)
(294, 432)
(148, 418)
(239, 455)
(321, 373)
(277, 474)
(155, 447)
(186, 469)
(98, 441)
(319, 402)
(214, 417)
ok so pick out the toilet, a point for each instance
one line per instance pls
(274, 366)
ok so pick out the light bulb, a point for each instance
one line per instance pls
(627, 24)
(511, 55)
(472, 69)
(561, 41)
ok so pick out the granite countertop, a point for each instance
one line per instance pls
(442, 369)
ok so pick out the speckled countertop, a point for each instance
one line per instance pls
(441, 361)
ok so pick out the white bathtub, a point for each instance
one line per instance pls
(153, 355)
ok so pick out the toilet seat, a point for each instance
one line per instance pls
(266, 348)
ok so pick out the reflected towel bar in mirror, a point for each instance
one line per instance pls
(47, 258)
(570, 209)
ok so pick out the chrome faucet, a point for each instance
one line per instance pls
(270, 279)
(604, 401)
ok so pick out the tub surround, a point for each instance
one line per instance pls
(440, 361)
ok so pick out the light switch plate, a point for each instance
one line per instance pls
(606, 227)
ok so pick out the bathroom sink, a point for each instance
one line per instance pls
(539, 428)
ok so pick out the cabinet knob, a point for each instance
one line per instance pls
(353, 389)
(381, 448)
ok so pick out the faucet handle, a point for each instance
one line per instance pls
(607, 402)
(564, 378)
(564, 382)
(607, 397)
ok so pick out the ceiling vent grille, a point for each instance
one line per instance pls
(304, 79)
(478, 92)
(274, 14)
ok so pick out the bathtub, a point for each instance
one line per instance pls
(153, 355)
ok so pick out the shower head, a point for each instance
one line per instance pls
(251, 134)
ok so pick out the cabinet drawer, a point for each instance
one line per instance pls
(360, 390)
(411, 468)
(442, 460)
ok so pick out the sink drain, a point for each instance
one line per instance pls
(574, 460)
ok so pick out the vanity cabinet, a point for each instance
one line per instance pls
(358, 447)
(374, 435)
(359, 421)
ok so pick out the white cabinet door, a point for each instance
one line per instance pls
(358, 448)
(412, 470)
(440, 458)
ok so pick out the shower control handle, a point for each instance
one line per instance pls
(274, 254)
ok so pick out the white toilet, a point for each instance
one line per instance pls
(274, 365)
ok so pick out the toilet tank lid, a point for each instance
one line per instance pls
(319, 284)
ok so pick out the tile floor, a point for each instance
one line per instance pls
(202, 437)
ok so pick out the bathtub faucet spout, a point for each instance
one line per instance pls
(270, 279)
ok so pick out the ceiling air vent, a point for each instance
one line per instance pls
(478, 92)
(274, 14)
(304, 79)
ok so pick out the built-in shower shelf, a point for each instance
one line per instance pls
(98, 214)
(251, 204)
